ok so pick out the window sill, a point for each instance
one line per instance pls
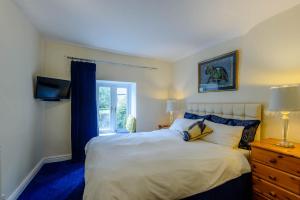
(108, 134)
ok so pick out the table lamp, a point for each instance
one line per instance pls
(285, 99)
(171, 107)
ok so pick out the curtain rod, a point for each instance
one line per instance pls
(111, 62)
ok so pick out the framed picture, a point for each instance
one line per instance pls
(218, 74)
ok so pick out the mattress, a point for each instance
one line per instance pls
(157, 165)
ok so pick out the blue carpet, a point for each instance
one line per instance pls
(59, 181)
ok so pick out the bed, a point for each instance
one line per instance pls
(160, 165)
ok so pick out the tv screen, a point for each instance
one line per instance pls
(51, 89)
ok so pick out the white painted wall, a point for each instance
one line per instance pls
(20, 115)
(152, 90)
(269, 55)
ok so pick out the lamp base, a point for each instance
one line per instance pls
(171, 119)
(285, 144)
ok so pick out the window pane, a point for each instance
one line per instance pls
(104, 108)
(122, 103)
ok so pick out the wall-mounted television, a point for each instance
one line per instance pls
(52, 89)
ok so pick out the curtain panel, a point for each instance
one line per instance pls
(83, 107)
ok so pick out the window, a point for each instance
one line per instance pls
(115, 101)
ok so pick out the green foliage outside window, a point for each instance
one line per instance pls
(104, 97)
(121, 112)
(104, 109)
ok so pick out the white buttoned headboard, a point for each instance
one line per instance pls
(228, 110)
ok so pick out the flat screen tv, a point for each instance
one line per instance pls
(51, 89)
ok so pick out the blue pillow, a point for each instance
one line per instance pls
(219, 120)
(188, 115)
(249, 131)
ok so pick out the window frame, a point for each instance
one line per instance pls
(113, 85)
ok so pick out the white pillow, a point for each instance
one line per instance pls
(224, 134)
(182, 124)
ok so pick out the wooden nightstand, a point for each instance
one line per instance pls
(275, 171)
(161, 126)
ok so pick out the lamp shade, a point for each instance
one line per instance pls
(284, 98)
(171, 105)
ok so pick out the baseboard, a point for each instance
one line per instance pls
(26, 181)
(59, 158)
(18, 191)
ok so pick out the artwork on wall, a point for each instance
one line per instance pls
(218, 74)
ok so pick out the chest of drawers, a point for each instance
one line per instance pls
(275, 171)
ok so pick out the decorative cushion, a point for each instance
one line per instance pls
(250, 127)
(182, 124)
(196, 131)
(188, 115)
(131, 124)
(219, 120)
(224, 134)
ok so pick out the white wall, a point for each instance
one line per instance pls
(20, 115)
(152, 89)
(269, 55)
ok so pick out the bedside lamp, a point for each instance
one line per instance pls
(171, 107)
(285, 99)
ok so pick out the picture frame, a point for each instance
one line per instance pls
(219, 73)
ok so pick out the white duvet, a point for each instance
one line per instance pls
(157, 165)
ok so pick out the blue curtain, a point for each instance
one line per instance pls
(83, 108)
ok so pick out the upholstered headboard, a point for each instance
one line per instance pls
(228, 110)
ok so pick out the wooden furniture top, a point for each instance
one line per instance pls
(269, 144)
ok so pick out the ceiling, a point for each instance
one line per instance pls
(162, 29)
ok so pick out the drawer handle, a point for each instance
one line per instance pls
(280, 156)
(253, 166)
(273, 161)
(258, 180)
(273, 178)
(273, 194)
